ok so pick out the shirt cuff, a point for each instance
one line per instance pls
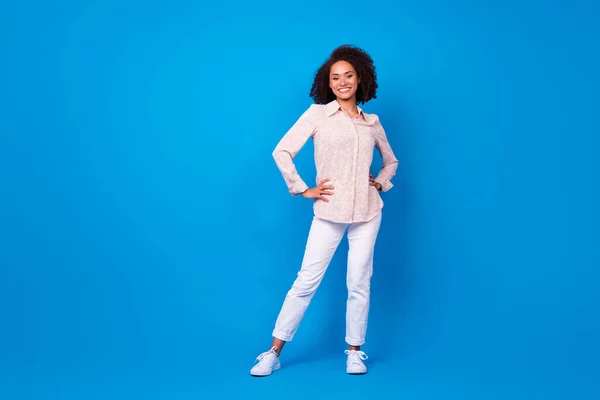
(298, 188)
(386, 185)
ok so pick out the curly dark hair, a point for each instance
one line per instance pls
(365, 69)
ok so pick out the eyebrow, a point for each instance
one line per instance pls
(343, 73)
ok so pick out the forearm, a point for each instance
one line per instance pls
(388, 171)
(288, 170)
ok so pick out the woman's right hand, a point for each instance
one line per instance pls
(319, 191)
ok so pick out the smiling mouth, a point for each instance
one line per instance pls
(344, 90)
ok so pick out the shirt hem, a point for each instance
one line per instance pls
(346, 221)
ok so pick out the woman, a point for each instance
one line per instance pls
(346, 197)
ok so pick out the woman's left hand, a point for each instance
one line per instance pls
(373, 183)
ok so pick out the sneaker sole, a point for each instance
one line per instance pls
(356, 373)
(276, 368)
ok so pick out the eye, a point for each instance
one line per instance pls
(349, 76)
(335, 79)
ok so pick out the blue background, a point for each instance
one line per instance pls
(148, 239)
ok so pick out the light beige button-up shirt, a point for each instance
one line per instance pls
(343, 153)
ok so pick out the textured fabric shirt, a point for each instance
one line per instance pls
(343, 153)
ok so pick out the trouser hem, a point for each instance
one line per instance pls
(353, 342)
(281, 336)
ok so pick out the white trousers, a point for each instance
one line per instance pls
(323, 240)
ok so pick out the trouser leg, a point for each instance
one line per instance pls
(361, 243)
(323, 239)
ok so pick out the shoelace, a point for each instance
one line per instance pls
(356, 355)
(267, 354)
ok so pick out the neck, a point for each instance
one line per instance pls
(348, 105)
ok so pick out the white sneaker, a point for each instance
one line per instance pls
(354, 363)
(267, 363)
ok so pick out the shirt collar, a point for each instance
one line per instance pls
(333, 106)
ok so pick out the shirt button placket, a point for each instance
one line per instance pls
(354, 169)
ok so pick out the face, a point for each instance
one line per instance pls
(343, 80)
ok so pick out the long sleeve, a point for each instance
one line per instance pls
(389, 164)
(291, 143)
